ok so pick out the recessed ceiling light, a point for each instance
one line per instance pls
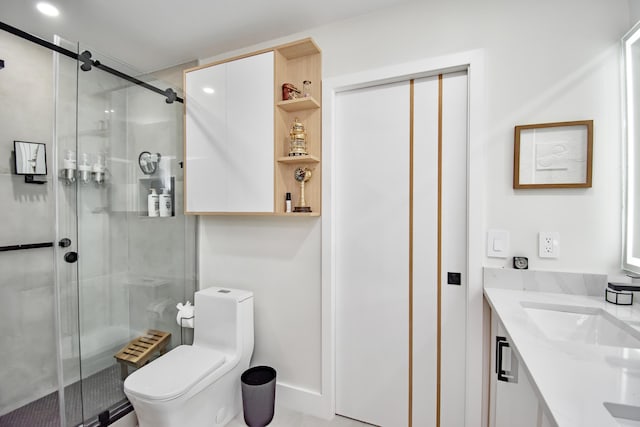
(208, 90)
(48, 9)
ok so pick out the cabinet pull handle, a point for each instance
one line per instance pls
(498, 358)
(501, 342)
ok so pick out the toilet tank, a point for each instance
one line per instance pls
(223, 318)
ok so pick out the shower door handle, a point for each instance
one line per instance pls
(71, 257)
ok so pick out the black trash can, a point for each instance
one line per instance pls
(258, 395)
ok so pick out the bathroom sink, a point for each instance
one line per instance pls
(588, 325)
(625, 415)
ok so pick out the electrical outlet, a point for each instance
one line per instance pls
(549, 244)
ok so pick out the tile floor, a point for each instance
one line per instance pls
(288, 418)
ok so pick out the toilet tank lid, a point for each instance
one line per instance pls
(173, 374)
(228, 293)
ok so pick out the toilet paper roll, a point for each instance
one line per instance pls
(185, 315)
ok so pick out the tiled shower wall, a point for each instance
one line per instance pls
(27, 336)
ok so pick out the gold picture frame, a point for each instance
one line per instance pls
(553, 155)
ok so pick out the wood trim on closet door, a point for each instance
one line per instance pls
(439, 269)
(411, 114)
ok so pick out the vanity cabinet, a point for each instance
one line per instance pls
(237, 133)
(513, 399)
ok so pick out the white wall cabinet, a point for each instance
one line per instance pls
(514, 401)
(229, 129)
(237, 156)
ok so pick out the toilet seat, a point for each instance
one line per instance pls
(173, 374)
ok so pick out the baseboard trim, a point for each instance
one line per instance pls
(291, 397)
(302, 400)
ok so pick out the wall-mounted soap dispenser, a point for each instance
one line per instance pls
(69, 167)
(99, 168)
(84, 169)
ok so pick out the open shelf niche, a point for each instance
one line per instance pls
(294, 63)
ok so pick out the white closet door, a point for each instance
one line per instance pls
(372, 249)
(454, 247)
(425, 250)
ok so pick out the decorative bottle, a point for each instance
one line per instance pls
(287, 203)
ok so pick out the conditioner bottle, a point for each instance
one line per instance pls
(165, 202)
(153, 203)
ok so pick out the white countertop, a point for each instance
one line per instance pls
(572, 379)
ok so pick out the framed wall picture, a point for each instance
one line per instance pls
(553, 155)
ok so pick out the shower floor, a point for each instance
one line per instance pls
(101, 391)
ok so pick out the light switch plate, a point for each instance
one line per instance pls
(497, 243)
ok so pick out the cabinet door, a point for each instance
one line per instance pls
(515, 402)
(205, 136)
(250, 145)
(229, 148)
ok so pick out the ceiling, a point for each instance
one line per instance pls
(150, 35)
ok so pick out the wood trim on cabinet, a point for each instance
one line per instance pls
(223, 61)
(277, 65)
(184, 145)
(299, 48)
(290, 50)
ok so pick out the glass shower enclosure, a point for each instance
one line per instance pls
(117, 267)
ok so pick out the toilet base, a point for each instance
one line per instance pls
(213, 406)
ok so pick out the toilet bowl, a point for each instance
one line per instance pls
(199, 385)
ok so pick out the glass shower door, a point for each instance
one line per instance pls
(66, 244)
(114, 272)
(133, 268)
(102, 237)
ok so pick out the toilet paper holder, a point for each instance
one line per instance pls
(184, 318)
(182, 328)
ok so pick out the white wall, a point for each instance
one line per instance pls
(546, 61)
(279, 260)
(634, 6)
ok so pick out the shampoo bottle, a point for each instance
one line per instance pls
(165, 202)
(153, 203)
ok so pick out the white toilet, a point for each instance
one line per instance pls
(199, 385)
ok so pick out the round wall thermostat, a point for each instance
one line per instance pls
(520, 262)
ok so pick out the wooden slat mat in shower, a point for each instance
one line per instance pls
(139, 351)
